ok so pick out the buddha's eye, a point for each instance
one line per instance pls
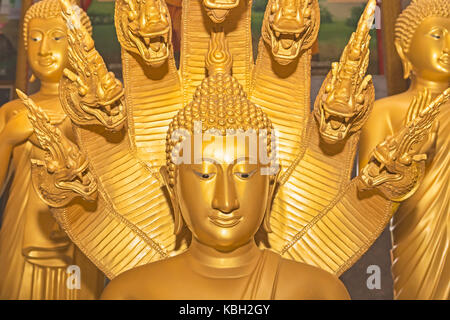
(57, 35)
(35, 36)
(244, 175)
(436, 34)
(205, 176)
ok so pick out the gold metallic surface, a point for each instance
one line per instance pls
(34, 251)
(420, 226)
(223, 260)
(309, 209)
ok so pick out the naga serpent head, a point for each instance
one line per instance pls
(397, 165)
(144, 27)
(73, 175)
(341, 107)
(63, 174)
(217, 10)
(395, 175)
(59, 183)
(89, 93)
(289, 27)
(347, 95)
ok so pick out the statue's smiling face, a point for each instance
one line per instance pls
(224, 196)
(47, 48)
(429, 51)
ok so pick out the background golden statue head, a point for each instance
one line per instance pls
(422, 39)
(45, 39)
(221, 168)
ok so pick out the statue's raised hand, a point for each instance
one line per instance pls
(397, 165)
(64, 173)
(89, 93)
(347, 94)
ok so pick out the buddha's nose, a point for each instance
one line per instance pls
(44, 48)
(447, 43)
(225, 199)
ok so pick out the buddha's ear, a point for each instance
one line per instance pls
(178, 219)
(273, 187)
(407, 67)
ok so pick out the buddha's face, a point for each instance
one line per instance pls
(223, 197)
(429, 51)
(47, 48)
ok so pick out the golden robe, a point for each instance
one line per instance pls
(262, 283)
(421, 229)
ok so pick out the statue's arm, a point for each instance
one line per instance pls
(376, 129)
(13, 132)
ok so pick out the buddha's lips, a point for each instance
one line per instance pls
(227, 222)
(445, 59)
(47, 61)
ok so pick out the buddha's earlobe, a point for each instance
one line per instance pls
(407, 67)
(272, 192)
(178, 219)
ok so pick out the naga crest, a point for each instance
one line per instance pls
(217, 10)
(93, 95)
(64, 173)
(144, 27)
(397, 165)
(347, 95)
(289, 27)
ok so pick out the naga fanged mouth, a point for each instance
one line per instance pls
(334, 127)
(376, 172)
(285, 45)
(81, 182)
(218, 10)
(111, 113)
(154, 47)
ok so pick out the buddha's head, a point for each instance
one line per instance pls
(422, 39)
(45, 39)
(221, 172)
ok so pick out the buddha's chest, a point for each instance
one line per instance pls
(196, 288)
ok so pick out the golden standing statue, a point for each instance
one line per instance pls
(310, 209)
(34, 251)
(420, 239)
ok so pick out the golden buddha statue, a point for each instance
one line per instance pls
(420, 240)
(313, 213)
(34, 251)
(223, 260)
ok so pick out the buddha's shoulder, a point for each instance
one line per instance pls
(11, 108)
(395, 101)
(298, 280)
(393, 105)
(139, 282)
